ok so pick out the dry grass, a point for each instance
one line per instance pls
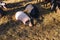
(48, 29)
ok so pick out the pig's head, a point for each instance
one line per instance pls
(28, 23)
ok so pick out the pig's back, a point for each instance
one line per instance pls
(20, 15)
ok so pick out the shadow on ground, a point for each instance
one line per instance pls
(6, 26)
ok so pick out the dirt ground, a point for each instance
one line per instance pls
(47, 29)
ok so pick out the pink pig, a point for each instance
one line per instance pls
(20, 15)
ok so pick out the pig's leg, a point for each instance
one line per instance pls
(32, 21)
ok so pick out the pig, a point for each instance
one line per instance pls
(32, 10)
(24, 18)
